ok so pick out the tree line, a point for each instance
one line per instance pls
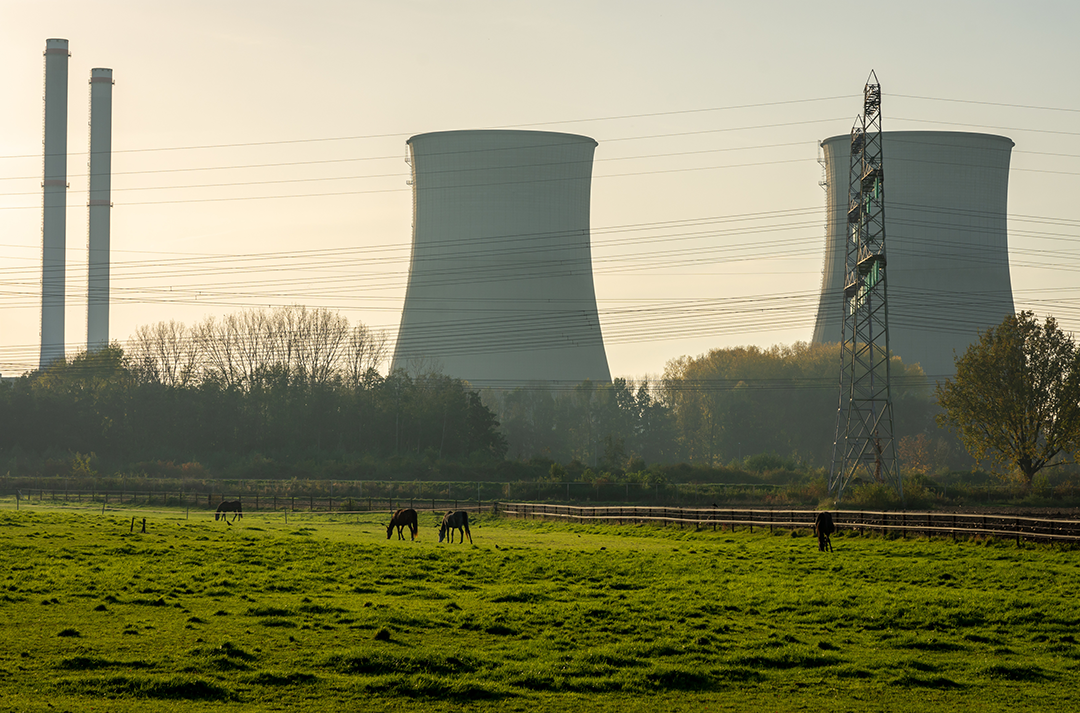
(293, 385)
(287, 385)
(716, 409)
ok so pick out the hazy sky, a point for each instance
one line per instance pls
(259, 148)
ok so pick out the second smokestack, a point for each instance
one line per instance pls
(99, 207)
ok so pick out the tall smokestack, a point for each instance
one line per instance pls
(54, 210)
(100, 168)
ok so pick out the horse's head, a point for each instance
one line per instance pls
(390, 529)
(442, 533)
(216, 516)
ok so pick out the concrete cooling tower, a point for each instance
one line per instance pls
(946, 241)
(500, 286)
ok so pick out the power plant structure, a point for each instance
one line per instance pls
(98, 208)
(864, 442)
(948, 256)
(54, 206)
(500, 289)
(54, 210)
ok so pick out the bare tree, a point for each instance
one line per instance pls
(216, 344)
(314, 346)
(323, 342)
(367, 350)
(252, 330)
(165, 352)
(284, 332)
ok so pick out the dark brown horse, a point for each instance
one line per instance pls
(400, 520)
(455, 521)
(823, 527)
(226, 507)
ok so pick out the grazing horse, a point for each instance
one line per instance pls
(455, 521)
(226, 507)
(823, 527)
(400, 520)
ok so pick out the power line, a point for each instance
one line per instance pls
(985, 103)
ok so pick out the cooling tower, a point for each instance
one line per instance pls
(99, 206)
(500, 286)
(946, 241)
(54, 206)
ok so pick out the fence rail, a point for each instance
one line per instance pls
(256, 502)
(929, 524)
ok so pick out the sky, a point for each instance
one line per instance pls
(259, 148)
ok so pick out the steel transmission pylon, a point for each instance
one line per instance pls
(864, 447)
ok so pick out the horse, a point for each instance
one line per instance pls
(455, 521)
(226, 507)
(400, 520)
(823, 527)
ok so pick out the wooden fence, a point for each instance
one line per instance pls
(901, 524)
(308, 502)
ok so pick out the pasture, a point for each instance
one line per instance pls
(324, 613)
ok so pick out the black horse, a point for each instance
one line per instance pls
(823, 527)
(226, 507)
(400, 520)
(455, 521)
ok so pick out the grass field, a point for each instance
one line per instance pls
(327, 614)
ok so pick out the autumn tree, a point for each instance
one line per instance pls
(739, 401)
(1016, 395)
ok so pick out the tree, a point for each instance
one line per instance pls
(1016, 395)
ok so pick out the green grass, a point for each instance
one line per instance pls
(326, 614)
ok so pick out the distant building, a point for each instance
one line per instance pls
(500, 288)
(946, 196)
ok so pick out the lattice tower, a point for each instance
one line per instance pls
(864, 446)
